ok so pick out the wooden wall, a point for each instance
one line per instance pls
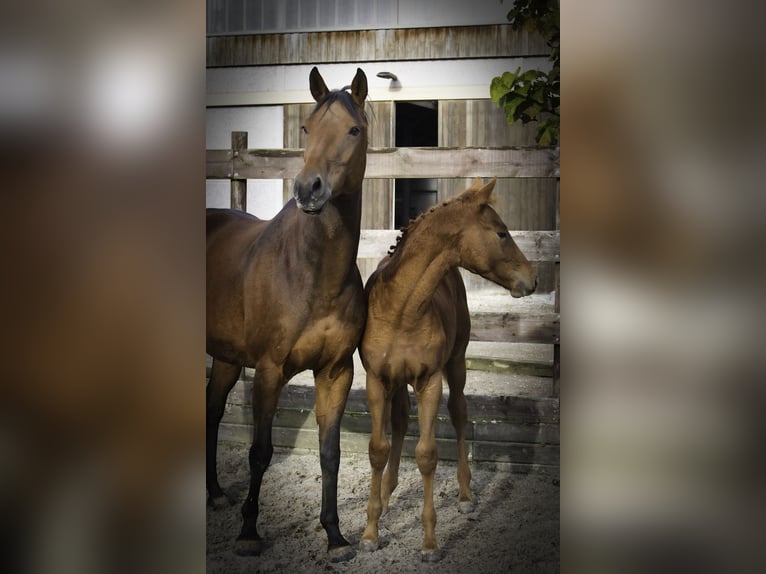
(374, 46)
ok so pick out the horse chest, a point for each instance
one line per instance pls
(406, 357)
(318, 345)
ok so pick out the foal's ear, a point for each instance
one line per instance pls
(476, 184)
(484, 193)
(316, 84)
(359, 88)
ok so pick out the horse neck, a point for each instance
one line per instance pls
(338, 232)
(418, 266)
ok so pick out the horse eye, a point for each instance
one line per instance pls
(305, 131)
(502, 234)
(354, 131)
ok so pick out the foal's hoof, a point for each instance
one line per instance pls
(433, 555)
(244, 547)
(341, 554)
(368, 545)
(219, 502)
(465, 507)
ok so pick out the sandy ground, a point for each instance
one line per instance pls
(515, 527)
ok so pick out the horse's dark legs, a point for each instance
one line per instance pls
(455, 373)
(332, 386)
(222, 378)
(267, 385)
(400, 413)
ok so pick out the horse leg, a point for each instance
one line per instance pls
(455, 372)
(223, 376)
(379, 450)
(400, 413)
(425, 453)
(332, 386)
(267, 383)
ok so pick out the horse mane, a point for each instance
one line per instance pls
(405, 231)
(345, 99)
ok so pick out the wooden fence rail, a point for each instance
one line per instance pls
(384, 163)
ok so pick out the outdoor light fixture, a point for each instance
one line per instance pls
(395, 84)
(388, 76)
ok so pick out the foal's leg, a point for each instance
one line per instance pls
(455, 372)
(400, 413)
(380, 411)
(267, 383)
(332, 386)
(425, 453)
(223, 376)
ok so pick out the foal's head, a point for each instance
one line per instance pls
(487, 248)
(336, 144)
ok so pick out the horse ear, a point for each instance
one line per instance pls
(484, 193)
(359, 88)
(316, 84)
(476, 185)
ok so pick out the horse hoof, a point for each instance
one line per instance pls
(219, 502)
(368, 545)
(341, 554)
(430, 555)
(465, 507)
(249, 547)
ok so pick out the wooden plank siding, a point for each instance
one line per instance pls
(445, 43)
(522, 431)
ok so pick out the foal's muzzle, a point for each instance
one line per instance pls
(522, 289)
(311, 192)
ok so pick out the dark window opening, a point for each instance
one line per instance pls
(416, 125)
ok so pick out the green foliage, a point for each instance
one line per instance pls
(533, 95)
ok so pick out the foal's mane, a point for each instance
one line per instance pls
(413, 224)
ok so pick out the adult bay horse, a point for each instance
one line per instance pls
(285, 295)
(417, 330)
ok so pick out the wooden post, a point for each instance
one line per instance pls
(557, 347)
(238, 185)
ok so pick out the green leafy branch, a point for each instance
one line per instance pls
(533, 94)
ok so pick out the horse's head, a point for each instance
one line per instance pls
(487, 248)
(335, 155)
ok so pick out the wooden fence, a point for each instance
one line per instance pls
(516, 429)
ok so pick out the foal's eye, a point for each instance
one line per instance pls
(354, 131)
(304, 130)
(502, 234)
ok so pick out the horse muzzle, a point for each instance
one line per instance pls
(522, 289)
(311, 193)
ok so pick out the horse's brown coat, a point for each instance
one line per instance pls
(417, 330)
(285, 295)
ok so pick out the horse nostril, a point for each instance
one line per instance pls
(317, 184)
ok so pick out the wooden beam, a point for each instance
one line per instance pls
(490, 41)
(238, 194)
(219, 164)
(384, 163)
(515, 328)
(462, 162)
